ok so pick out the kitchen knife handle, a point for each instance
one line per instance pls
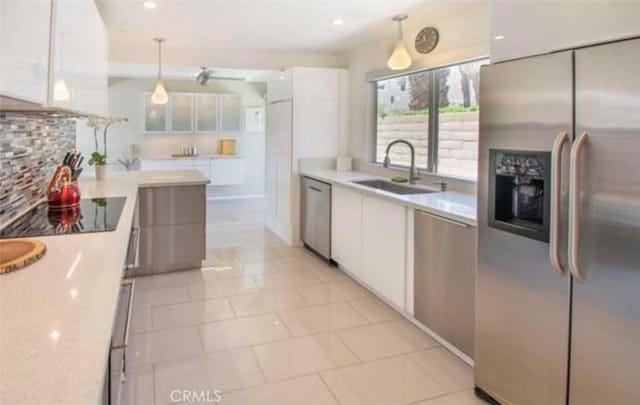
(556, 200)
(574, 206)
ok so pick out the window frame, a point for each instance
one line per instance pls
(433, 123)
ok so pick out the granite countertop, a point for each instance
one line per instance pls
(56, 315)
(450, 204)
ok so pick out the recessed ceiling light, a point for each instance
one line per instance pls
(149, 5)
(337, 22)
(499, 37)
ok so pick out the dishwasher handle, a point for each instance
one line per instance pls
(440, 218)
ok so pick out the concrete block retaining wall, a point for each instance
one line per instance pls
(457, 142)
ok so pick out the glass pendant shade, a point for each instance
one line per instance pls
(61, 91)
(159, 95)
(400, 58)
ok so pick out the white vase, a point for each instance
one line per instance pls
(101, 172)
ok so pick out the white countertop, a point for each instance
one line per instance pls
(56, 315)
(450, 204)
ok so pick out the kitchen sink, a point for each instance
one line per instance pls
(393, 187)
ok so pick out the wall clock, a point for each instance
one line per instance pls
(427, 39)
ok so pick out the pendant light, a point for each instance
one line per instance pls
(400, 58)
(159, 95)
(60, 89)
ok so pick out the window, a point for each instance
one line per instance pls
(446, 142)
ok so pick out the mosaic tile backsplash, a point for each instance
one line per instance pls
(30, 148)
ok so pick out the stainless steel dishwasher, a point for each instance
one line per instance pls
(444, 280)
(316, 216)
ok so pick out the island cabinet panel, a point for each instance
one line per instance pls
(172, 228)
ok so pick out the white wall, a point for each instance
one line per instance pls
(125, 101)
(532, 27)
(463, 35)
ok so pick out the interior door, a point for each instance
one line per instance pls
(605, 347)
(522, 302)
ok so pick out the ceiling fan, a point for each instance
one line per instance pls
(206, 75)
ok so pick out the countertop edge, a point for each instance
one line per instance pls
(318, 175)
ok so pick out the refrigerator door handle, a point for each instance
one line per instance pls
(556, 200)
(574, 205)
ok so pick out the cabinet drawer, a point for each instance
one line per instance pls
(171, 247)
(172, 205)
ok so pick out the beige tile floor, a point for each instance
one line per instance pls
(264, 323)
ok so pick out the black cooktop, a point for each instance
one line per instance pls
(92, 215)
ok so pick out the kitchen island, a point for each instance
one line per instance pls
(56, 315)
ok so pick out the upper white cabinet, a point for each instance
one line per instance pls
(24, 49)
(79, 58)
(230, 113)
(35, 56)
(206, 112)
(155, 117)
(346, 229)
(181, 109)
(194, 112)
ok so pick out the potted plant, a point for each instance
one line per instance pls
(99, 160)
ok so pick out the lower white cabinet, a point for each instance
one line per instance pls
(224, 172)
(346, 229)
(384, 246)
(220, 171)
(369, 239)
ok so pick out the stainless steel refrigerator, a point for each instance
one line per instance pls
(558, 276)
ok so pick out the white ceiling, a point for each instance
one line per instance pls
(266, 25)
(145, 71)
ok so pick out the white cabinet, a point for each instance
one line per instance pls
(193, 112)
(181, 112)
(346, 229)
(369, 240)
(384, 248)
(34, 57)
(155, 117)
(24, 49)
(206, 116)
(305, 113)
(220, 171)
(230, 113)
(227, 171)
(79, 58)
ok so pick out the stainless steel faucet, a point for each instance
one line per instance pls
(413, 174)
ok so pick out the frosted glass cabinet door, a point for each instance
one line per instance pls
(206, 112)
(155, 116)
(230, 113)
(181, 112)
